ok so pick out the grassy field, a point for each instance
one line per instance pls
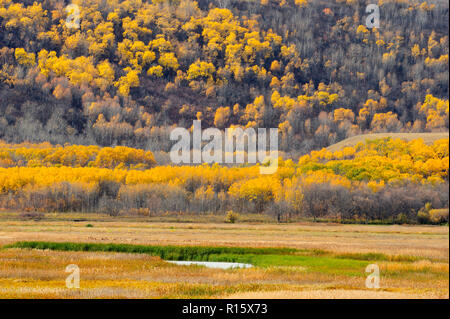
(428, 138)
(124, 258)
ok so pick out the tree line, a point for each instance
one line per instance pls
(380, 180)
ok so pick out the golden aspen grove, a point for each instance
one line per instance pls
(92, 91)
(89, 178)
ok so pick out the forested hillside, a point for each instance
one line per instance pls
(133, 69)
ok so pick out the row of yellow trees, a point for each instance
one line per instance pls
(386, 160)
(61, 178)
(44, 154)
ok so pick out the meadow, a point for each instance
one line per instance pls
(91, 95)
(310, 230)
(124, 258)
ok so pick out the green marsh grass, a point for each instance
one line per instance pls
(311, 260)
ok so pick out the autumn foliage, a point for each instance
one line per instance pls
(375, 180)
(134, 68)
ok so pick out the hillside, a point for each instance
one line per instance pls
(428, 138)
(130, 71)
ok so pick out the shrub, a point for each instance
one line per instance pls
(232, 217)
(439, 216)
(401, 219)
(32, 216)
(423, 216)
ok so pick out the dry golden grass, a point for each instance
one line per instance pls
(334, 294)
(421, 241)
(428, 138)
(417, 266)
(41, 274)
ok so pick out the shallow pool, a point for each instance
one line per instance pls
(211, 264)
